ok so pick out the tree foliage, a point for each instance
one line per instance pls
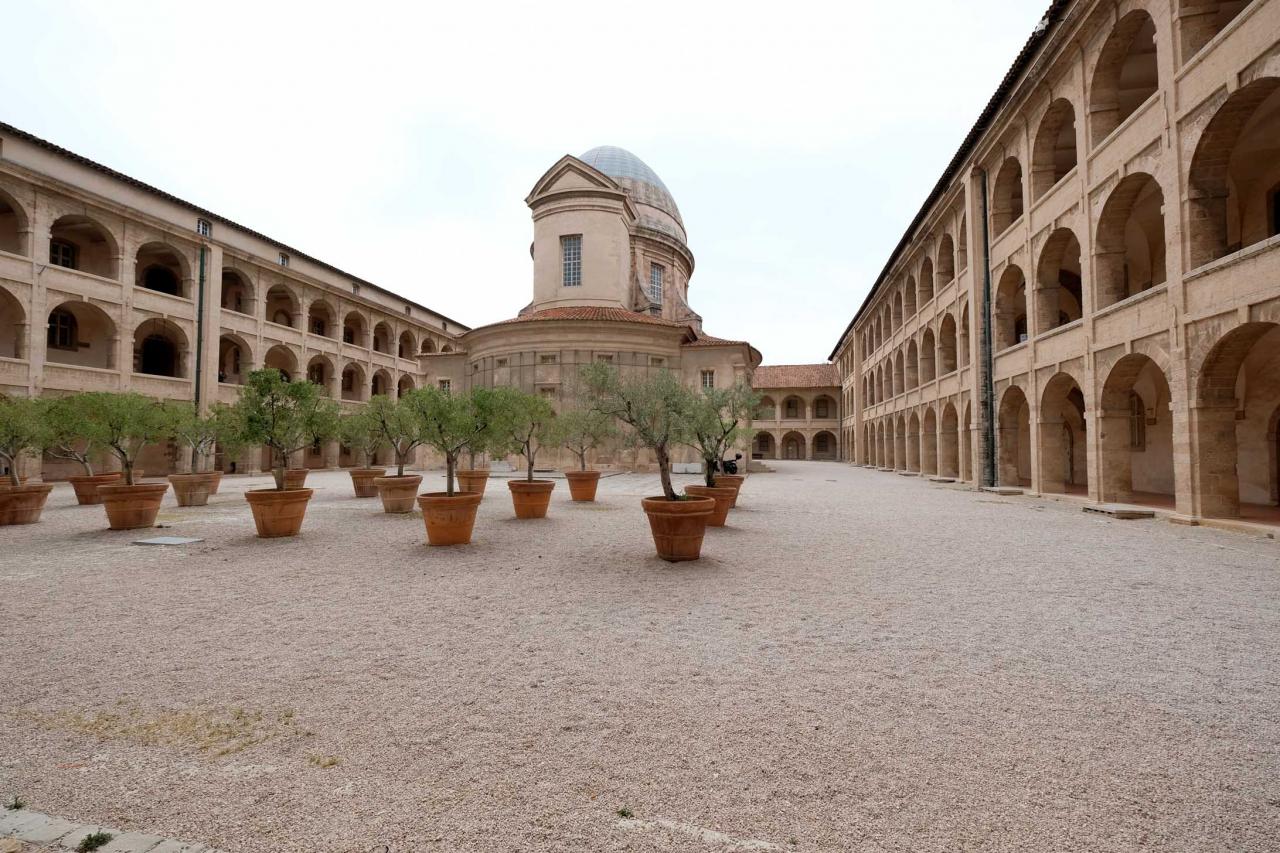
(125, 424)
(717, 422)
(284, 416)
(451, 422)
(582, 430)
(522, 423)
(398, 424)
(69, 435)
(23, 427)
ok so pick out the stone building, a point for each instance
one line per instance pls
(1089, 300)
(799, 415)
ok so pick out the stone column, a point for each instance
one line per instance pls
(331, 452)
(1214, 463)
(1116, 472)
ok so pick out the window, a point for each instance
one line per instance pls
(821, 408)
(62, 330)
(571, 259)
(284, 259)
(355, 289)
(547, 393)
(408, 310)
(820, 444)
(348, 335)
(348, 380)
(1137, 423)
(62, 254)
(315, 374)
(203, 228)
(656, 272)
(792, 408)
(317, 326)
(547, 359)
(708, 379)
(605, 359)
(502, 362)
(654, 361)
(445, 384)
(1275, 212)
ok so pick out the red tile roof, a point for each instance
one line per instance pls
(795, 376)
(705, 340)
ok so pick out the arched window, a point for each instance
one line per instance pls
(1201, 20)
(1054, 154)
(13, 224)
(1130, 249)
(1127, 74)
(1010, 320)
(63, 330)
(236, 294)
(1006, 196)
(1059, 299)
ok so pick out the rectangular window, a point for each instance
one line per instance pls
(654, 361)
(820, 409)
(605, 359)
(284, 259)
(355, 289)
(656, 273)
(502, 362)
(708, 379)
(204, 228)
(547, 393)
(408, 310)
(546, 359)
(62, 254)
(62, 330)
(571, 259)
(445, 384)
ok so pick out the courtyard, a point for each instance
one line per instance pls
(860, 661)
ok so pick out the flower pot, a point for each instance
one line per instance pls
(722, 495)
(23, 504)
(531, 497)
(398, 493)
(131, 507)
(678, 526)
(473, 480)
(217, 482)
(582, 484)
(449, 519)
(4, 481)
(278, 513)
(192, 489)
(734, 480)
(86, 487)
(362, 481)
(295, 478)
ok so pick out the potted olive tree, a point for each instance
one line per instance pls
(71, 440)
(200, 433)
(655, 410)
(523, 423)
(402, 430)
(716, 423)
(23, 428)
(450, 422)
(581, 431)
(357, 431)
(285, 417)
(126, 424)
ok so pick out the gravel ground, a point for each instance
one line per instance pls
(862, 661)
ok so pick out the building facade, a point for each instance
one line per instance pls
(1089, 300)
(799, 415)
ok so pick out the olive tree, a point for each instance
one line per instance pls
(125, 424)
(582, 430)
(451, 422)
(523, 423)
(23, 427)
(284, 416)
(398, 425)
(358, 431)
(69, 436)
(717, 422)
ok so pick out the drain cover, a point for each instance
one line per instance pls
(166, 540)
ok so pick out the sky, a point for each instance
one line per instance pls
(398, 141)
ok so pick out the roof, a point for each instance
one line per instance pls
(796, 376)
(212, 217)
(598, 313)
(1039, 36)
(634, 175)
(705, 340)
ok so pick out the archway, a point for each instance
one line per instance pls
(1136, 434)
(382, 338)
(13, 326)
(929, 442)
(1010, 320)
(1200, 20)
(282, 359)
(946, 261)
(353, 382)
(1006, 196)
(1126, 75)
(320, 319)
(408, 347)
(282, 306)
(162, 269)
(1013, 439)
(237, 293)
(926, 283)
(962, 352)
(1054, 153)
(899, 374)
(947, 345)
(912, 374)
(966, 444)
(81, 333)
(764, 447)
(913, 443)
(159, 349)
(909, 298)
(949, 443)
(824, 408)
(825, 446)
(928, 357)
(793, 446)
(793, 408)
(353, 329)
(233, 359)
(901, 460)
(428, 346)
(1063, 454)
(1059, 294)
(404, 386)
(320, 372)
(13, 225)
(1130, 251)
(767, 410)
(80, 243)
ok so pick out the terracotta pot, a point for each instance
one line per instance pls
(362, 481)
(531, 497)
(278, 513)
(734, 480)
(398, 493)
(678, 526)
(86, 487)
(722, 495)
(582, 484)
(472, 480)
(192, 489)
(4, 481)
(23, 504)
(217, 482)
(449, 520)
(295, 478)
(131, 507)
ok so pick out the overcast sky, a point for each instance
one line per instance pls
(398, 141)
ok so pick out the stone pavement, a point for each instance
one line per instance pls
(25, 831)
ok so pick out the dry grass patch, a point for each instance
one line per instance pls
(218, 731)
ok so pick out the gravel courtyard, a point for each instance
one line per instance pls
(861, 662)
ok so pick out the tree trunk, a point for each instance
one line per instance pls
(529, 454)
(450, 461)
(277, 471)
(664, 471)
(709, 471)
(128, 472)
(13, 473)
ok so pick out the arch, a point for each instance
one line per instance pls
(159, 349)
(282, 306)
(900, 444)
(1136, 433)
(965, 432)
(380, 383)
(928, 357)
(1063, 437)
(404, 385)
(1235, 175)
(909, 305)
(879, 453)
(793, 446)
(947, 345)
(161, 268)
(237, 292)
(353, 329)
(1126, 75)
(447, 348)
(946, 261)
(320, 372)
(911, 374)
(767, 410)
(13, 326)
(1200, 20)
(764, 446)
(824, 408)
(962, 345)
(793, 408)
(282, 359)
(926, 283)
(949, 443)
(80, 243)
(82, 334)
(899, 373)
(320, 319)
(408, 346)
(382, 338)
(1006, 196)
(14, 225)
(1129, 252)
(1013, 439)
(897, 310)
(1009, 323)
(913, 443)
(825, 446)
(428, 345)
(1059, 291)
(929, 442)
(353, 385)
(234, 359)
(1053, 155)
(962, 245)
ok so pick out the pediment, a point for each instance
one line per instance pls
(570, 174)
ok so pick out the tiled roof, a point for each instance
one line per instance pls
(712, 341)
(795, 376)
(590, 312)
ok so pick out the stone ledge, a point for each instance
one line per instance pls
(1006, 491)
(59, 834)
(1122, 511)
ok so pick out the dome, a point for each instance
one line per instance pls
(634, 175)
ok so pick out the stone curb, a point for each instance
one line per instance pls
(37, 828)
